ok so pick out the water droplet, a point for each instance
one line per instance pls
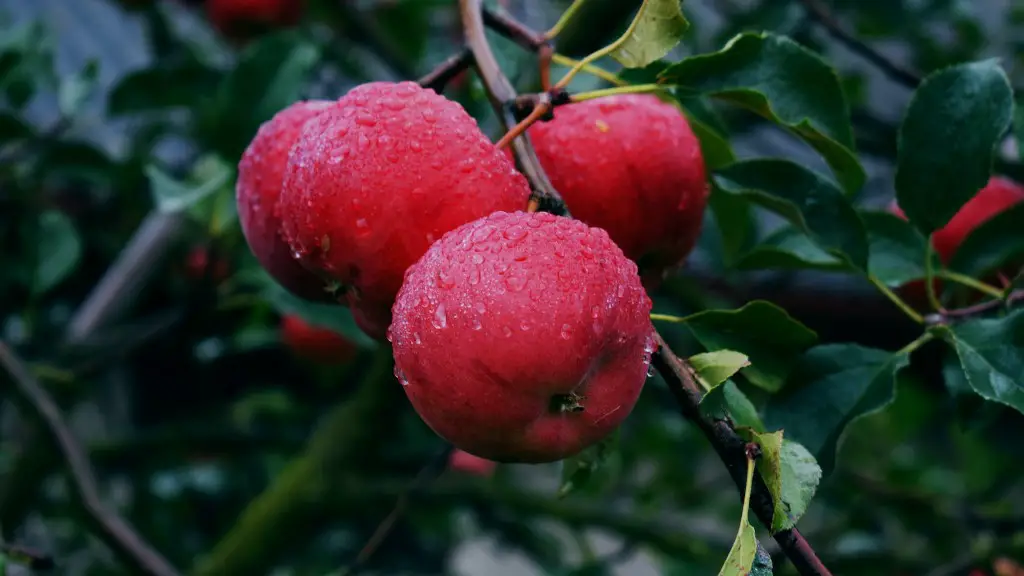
(515, 283)
(474, 276)
(444, 280)
(524, 326)
(621, 290)
(390, 335)
(650, 371)
(401, 376)
(595, 312)
(566, 331)
(480, 307)
(393, 104)
(440, 320)
(476, 259)
(362, 227)
(415, 145)
(416, 338)
(476, 324)
(366, 119)
(506, 331)
(429, 115)
(521, 257)
(514, 233)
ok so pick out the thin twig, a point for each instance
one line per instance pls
(503, 23)
(503, 97)
(423, 479)
(820, 13)
(440, 76)
(732, 450)
(978, 310)
(112, 529)
(729, 446)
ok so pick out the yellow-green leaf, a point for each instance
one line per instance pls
(657, 28)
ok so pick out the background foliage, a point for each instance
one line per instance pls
(190, 406)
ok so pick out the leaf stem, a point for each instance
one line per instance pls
(744, 517)
(929, 277)
(970, 283)
(636, 89)
(563, 60)
(564, 19)
(670, 318)
(888, 293)
(597, 55)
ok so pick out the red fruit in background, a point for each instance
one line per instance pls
(461, 461)
(523, 337)
(198, 266)
(232, 17)
(629, 164)
(315, 343)
(998, 195)
(260, 177)
(373, 182)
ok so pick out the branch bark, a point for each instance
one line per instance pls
(115, 532)
(730, 447)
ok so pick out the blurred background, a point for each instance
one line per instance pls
(198, 386)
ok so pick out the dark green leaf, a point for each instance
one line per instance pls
(595, 468)
(791, 475)
(334, 317)
(170, 195)
(806, 199)
(762, 563)
(270, 75)
(161, 88)
(832, 386)
(785, 83)
(735, 221)
(713, 146)
(58, 250)
(955, 120)
(655, 31)
(991, 353)
(13, 129)
(713, 368)
(769, 336)
(995, 243)
(76, 89)
(897, 249)
(789, 249)
(78, 160)
(728, 401)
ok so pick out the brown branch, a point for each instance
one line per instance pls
(503, 97)
(820, 13)
(422, 481)
(724, 439)
(440, 76)
(970, 312)
(111, 528)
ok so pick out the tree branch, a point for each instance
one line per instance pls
(503, 97)
(970, 312)
(111, 528)
(729, 446)
(820, 13)
(440, 76)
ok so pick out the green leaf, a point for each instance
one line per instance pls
(593, 468)
(791, 475)
(789, 249)
(170, 195)
(735, 221)
(713, 368)
(657, 28)
(953, 124)
(991, 353)
(785, 83)
(180, 86)
(728, 401)
(897, 249)
(995, 243)
(331, 316)
(270, 76)
(714, 147)
(741, 557)
(13, 129)
(806, 199)
(831, 387)
(75, 89)
(58, 251)
(769, 336)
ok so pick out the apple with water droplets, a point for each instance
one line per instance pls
(629, 164)
(375, 180)
(523, 337)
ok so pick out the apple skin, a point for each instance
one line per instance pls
(629, 164)
(315, 343)
(378, 178)
(261, 174)
(523, 337)
(998, 195)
